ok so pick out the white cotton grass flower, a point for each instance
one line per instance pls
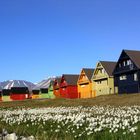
(96, 118)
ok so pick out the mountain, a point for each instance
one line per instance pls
(16, 83)
(44, 83)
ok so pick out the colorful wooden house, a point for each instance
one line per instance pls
(36, 94)
(50, 90)
(19, 89)
(44, 89)
(6, 94)
(56, 87)
(68, 86)
(5, 91)
(47, 88)
(127, 72)
(19, 93)
(85, 84)
(103, 78)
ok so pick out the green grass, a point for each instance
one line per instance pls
(113, 100)
(46, 132)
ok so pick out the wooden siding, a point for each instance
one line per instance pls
(123, 68)
(66, 90)
(85, 86)
(104, 84)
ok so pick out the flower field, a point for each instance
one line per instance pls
(70, 123)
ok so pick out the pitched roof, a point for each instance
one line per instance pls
(134, 55)
(109, 66)
(71, 79)
(58, 79)
(89, 72)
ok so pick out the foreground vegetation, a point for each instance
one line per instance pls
(103, 118)
(113, 100)
(71, 123)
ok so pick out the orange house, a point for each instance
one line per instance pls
(85, 84)
(56, 87)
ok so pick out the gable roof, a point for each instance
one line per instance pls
(71, 79)
(58, 79)
(109, 66)
(89, 72)
(134, 56)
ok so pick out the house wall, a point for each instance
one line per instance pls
(6, 98)
(15, 96)
(56, 92)
(85, 90)
(104, 84)
(85, 87)
(93, 89)
(127, 86)
(70, 92)
(49, 94)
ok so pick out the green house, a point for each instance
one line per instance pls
(45, 89)
(47, 92)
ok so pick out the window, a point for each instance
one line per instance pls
(101, 71)
(63, 88)
(135, 77)
(120, 65)
(104, 71)
(99, 82)
(124, 64)
(123, 77)
(82, 86)
(129, 62)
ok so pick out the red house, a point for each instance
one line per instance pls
(68, 86)
(56, 87)
(19, 89)
(19, 93)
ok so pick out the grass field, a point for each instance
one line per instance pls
(113, 100)
(113, 117)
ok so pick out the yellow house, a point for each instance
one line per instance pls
(85, 84)
(103, 78)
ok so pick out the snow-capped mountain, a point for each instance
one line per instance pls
(16, 83)
(44, 83)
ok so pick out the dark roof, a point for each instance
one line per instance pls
(109, 66)
(89, 72)
(134, 56)
(58, 79)
(71, 79)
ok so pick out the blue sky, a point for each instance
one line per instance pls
(41, 38)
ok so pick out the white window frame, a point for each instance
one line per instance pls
(135, 77)
(123, 77)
